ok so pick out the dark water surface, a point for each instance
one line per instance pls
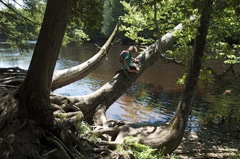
(152, 98)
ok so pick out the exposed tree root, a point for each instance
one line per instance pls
(39, 143)
(66, 153)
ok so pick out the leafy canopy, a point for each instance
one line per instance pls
(20, 23)
(144, 20)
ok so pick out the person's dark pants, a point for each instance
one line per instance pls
(125, 70)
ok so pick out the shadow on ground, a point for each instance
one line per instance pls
(209, 144)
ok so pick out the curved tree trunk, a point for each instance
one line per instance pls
(64, 77)
(171, 137)
(179, 121)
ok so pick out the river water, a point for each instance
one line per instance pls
(152, 98)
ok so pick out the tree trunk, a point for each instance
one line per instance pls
(179, 121)
(170, 138)
(64, 77)
(34, 93)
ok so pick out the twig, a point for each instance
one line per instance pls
(48, 153)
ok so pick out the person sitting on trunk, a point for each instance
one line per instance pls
(126, 62)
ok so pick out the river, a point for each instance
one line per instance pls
(152, 98)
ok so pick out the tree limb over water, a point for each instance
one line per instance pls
(67, 76)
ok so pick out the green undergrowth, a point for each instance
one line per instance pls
(140, 151)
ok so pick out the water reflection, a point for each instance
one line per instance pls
(152, 98)
(224, 109)
(152, 104)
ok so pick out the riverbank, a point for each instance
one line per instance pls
(209, 144)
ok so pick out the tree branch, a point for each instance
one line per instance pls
(67, 76)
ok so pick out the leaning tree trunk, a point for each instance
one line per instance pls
(34, 93)
(113, 89)
(64, 77)
(178, 123)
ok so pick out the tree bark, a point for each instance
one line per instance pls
(34, 93)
